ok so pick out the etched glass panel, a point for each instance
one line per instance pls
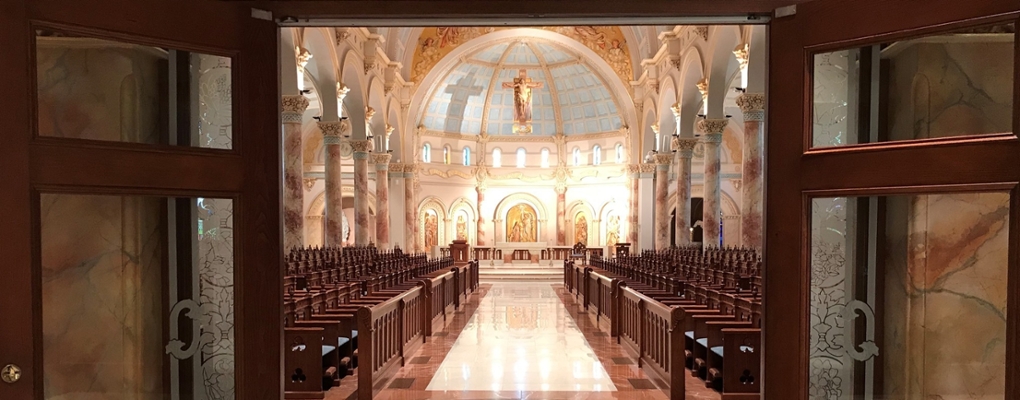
(947, 84)
(100, 89)
(137, 297)
(908, 297)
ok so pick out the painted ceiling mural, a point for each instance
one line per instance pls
(606, 41)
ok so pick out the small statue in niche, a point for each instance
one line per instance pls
(462, 233)
(613, 231)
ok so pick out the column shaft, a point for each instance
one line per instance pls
(685, 151)
(662, 162)
(361, 211)
(332, 134)
(711, 218)
(293, 176)
(409, 207)
(561, 216)
(382, 199)
(634, 172)
(751, 223)
(481, 218)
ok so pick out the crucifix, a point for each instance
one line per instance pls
(522, 86)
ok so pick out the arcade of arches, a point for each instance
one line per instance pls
(626, 128)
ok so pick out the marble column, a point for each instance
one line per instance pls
(684, 148)
(711, 140)
(480, 235)
(409, 207)
(634, 173)
(561, 215)
(752, 195)
(293, 176)
(332, 134)
(382, 199)
(662, 162)
(361, 228)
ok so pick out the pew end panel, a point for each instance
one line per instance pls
(302, 363)
(741, 378)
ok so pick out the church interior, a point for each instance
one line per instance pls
(781, 206)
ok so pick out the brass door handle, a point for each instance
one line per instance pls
(11, 373)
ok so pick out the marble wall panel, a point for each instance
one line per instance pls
(101, 297)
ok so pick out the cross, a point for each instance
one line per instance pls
(460, 92)
(522, 86)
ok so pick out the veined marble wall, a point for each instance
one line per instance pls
(963, 87)
(102, 297)
(90, 88)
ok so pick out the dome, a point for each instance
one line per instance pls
(573, 99)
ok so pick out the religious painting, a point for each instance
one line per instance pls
(581, 229)
(521, 224)
(462, 229)
(613, 230)
(431, 229)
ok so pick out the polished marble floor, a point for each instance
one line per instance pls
(415, 380)
(521, 338)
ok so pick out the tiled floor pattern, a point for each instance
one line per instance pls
(630, 382)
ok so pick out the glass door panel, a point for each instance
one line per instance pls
(908, 296)
(137, 297)
(110, 90)
(947, 84)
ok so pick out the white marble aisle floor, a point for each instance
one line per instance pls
(521, 338)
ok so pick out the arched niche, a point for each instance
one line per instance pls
(611, 221)
(462, 208)
(503, 210)
(432, 223)
(575, 211)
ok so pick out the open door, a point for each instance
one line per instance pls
(139, 200)
(892, 201)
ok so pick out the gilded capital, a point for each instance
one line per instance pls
(676, 110)
(341, 91)
(369, 113)
(294, 108)
(655, 128)
(713, 126)
(303, 56)
(703, 87)
(647, 168)
(663, 158)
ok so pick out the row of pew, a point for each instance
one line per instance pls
(681, 311)
(365, 310)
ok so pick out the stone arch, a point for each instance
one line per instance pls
(323, 66)
(667, 121)
(394, 121)
(377, 100)
(465, 205)
(690, 98)
(723, 40)
(579, 207)
(504, 205)
(434, 204)
(355, 100)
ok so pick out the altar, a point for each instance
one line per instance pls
(523, 254)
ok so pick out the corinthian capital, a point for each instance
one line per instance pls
(381, 159)
(753, 106)
(334, 129)
(713, 126)
(361, 146)
(685, 146)
(663, 158)
(294, 108)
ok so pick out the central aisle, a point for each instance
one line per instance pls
(521, 338)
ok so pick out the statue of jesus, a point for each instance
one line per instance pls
(522, 86)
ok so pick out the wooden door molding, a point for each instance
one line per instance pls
(250, 173)
(795, 173)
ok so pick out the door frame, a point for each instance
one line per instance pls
(796, 173)
(250, 173)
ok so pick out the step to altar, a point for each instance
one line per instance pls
(515, 273)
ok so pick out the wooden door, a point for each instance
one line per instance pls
(892, 201)
(139, 200)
